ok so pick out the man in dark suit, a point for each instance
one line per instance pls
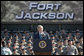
(42, 35)
(38, 37)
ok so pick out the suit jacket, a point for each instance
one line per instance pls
(36, 35)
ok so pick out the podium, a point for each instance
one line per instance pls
(42, 47)
(42, 53)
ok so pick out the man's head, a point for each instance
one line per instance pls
(29, 44)
(14, 47)
(9, 44)
(81, 51)
(16, 37)
(14, 51)
(74, 38)
(23, 51)
(40, 28)
(65, 41)
(70, 42)
(61, 42)
(81, 39)
(3, 43)
(78, 44)
(23, 40)
(60, 47)
(53, 49)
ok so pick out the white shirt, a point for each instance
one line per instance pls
(5, 51)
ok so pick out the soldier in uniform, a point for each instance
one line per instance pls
(53, 51)
(81, 41)
(71, 49)
(5, 50)
(60, 50)
(15, 52)
(79, 47)
(65, 42)
(24, 52)
(61, 44)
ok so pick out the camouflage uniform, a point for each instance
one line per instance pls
(71, 50)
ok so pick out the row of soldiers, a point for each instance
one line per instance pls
(62, 44)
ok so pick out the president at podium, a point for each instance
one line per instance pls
(42, 44)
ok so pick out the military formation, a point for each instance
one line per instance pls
(20, 43)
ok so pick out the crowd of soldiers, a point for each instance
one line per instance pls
(19, 44)
(62, 43)
(67, 43)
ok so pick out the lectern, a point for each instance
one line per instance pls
(42, 47)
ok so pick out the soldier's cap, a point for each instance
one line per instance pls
(13, 49)
(77, 42)
(69, 40)
(23, 49)
(80, 37)
(59, 46)
(29, 47)
(29, 42)
(4, 43)
(74, 35)
(65, 39)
